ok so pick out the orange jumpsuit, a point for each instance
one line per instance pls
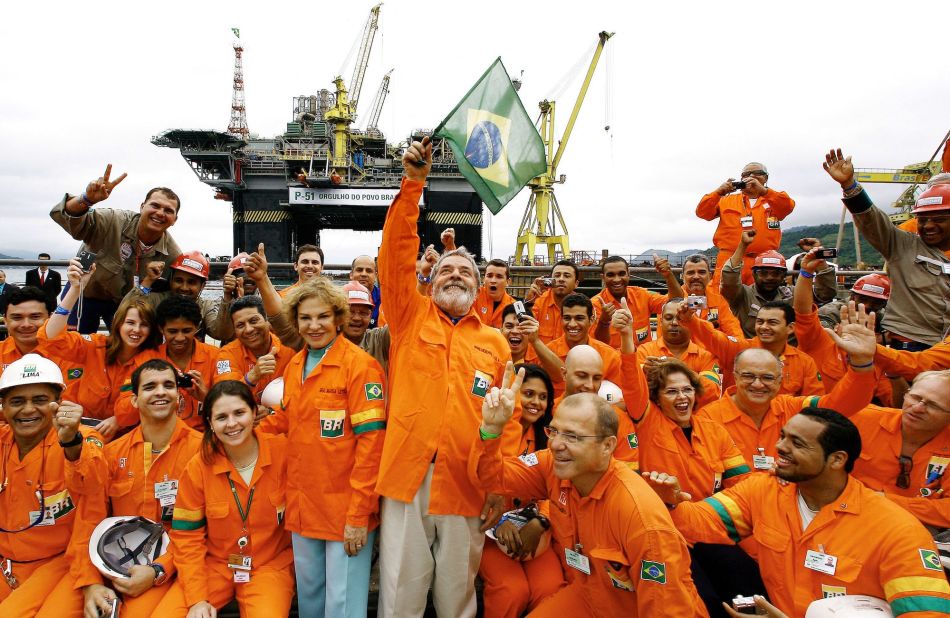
(831, 361)
(129, 489)
(101, 385)
(511, 587)
(641, 302)
(909, 364)
(439, 372)
(767, 214)
(638, 564)
(234, 361)
(696, 358)
(851, 394)
(704, 464)
(39, 556)
(486, 309)
(548, 314)
(207, 526)
(609, 355)
(799, 374)
(336, 416)
(204, 360)
(878, 466)
(878, 548)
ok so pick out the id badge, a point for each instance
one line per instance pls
(763, 462)
(577, 560)
(166, 488)
(239, 562)
(242, 577)
(746, 222)
(48, 519)
(821, 562)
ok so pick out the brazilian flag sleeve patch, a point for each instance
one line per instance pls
(374, 391)
(653, 571)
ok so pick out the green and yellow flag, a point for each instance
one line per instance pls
(497, 147)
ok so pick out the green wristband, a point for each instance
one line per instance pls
(488, 436)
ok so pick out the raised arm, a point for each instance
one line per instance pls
(73, 212)
(56, 324)
(731, 283)
(662, 266)
(551, 362)
(633, 383)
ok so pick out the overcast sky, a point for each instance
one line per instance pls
(696, 90)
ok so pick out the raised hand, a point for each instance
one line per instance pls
(747, 237)
(153, 272)
(726, 188)
(661, 264)
(256, 265)
(266, 365)
(855, 335)
(76, 275)
(417, 161)
(448, 239)
(99, 189)
(499, 403)
(839, 168)
(622, 319)
(66, 417)
(810, 263)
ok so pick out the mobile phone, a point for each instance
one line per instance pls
(519, 309)
(112, 612)
(696, 302)
(548, 281)
(86, 260)
(88, 421)
(826, 254)
(183, 380)
(744, 605)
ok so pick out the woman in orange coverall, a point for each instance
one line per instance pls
(513, 586)
(228, 537)
(333, 411)
(105, 362)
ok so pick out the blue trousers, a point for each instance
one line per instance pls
(345, 593)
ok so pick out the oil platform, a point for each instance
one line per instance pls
(322, 172)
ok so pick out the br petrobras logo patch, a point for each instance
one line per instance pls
(374, 391)
(653, 571)
(331, 423)
(481, 383)
(486, 147)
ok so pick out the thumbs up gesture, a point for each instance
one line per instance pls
(622, 319)
(266, 366)
(256, 265)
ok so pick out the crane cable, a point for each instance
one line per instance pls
(608, 98)
(577, 69)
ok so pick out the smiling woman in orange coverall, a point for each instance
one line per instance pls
(228, 537)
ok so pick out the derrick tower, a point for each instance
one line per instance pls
(238, 124)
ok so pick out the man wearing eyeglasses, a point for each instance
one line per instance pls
(907, 451)
(48, 460)
(746, 204)
(617, 544)
(918, 264)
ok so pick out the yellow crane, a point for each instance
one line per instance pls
(542, 216)
(343, 112)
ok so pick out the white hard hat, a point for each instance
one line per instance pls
(119, 543)
(849, 606)
(31, 369)
(519, 520)
(273, 393)
(611, 392)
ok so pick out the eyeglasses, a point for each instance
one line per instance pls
(675, 392)
(914, 399)
(570, 438)
(753, 173)
(938, 219)
(749, 378)
(17, 403)
(906, 464)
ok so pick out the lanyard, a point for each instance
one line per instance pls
(242, 511)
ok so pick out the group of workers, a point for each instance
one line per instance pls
(771, 449)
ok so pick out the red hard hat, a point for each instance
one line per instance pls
(192, 262)
(357, 294)
(769, 259)
(237, 262)
(936, 197)
(874, 285)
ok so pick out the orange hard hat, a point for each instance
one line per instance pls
(357, 294)
(873, 285)
(769, 259)
(193, 262)
(936, 197)
(237, 262)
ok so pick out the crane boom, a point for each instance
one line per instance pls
(362, 59)
(377, 106)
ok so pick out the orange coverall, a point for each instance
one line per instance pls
(880, 550)
(767, 214)
(548, 314)
(641, 302)
(101, 385)
(439, 373)
(704, 464)
(511, 587)
(609, 355)
(848, 396)
(638, 562)
(487, 311)
(39, 556)
(204, 360)
(207, 526)
(234, 361)
(909, 364)
(129, 489)
(878, 466)
(799, 375)
(831, 361)
(337, 417)
(696, 358)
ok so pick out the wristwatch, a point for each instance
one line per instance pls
(160, 575)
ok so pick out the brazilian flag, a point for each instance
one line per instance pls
(497, 147)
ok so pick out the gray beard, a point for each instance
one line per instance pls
(454, 301)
